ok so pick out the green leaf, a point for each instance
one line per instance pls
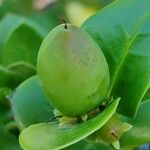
(85, 145)
(7, 140)
(19, 40)
(23, 69)
(17, 6)
(4, 114)
(43, 22)
(140, 133)
(122, 31)
(105, 2)
(30, 105)
(47, 136)
(8, 78)
(15, 73)
(147, 95)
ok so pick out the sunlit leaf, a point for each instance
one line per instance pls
(122, 30)
(48, 136)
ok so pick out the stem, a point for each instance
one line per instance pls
(64, 21)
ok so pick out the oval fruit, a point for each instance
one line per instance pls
(73, 70)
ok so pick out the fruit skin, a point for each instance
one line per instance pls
(73, 70)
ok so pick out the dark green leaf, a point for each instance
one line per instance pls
(43, 22)
(7, 140)
(147, 95)
(8, 78)
(30, 105)
(122, 30)
(4, 114)
(15, 73)
(105, 2)
(23, 69)
(140, 133)
(19, 40)
(49, 136)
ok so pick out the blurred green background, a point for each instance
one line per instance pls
(47, 13)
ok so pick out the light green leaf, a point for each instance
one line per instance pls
(140, 133)
(19, 40)
(122, 30)
(50, 136)
(30, 105)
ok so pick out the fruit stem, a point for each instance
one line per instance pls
(113, 134)
(64, 21)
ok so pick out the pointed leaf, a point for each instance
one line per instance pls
(122, 31)
(48, 136)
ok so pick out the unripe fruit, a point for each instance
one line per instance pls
(72, 70)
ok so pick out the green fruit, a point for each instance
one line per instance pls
(73, 70)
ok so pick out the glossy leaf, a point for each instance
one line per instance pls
(30, 105)
(122, 31)
(20, 40)
(140, 133)
(52, 136)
